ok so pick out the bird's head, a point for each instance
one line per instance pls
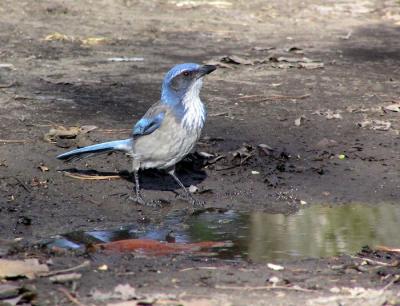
(183, 80)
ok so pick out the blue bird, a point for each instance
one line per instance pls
(167, 132)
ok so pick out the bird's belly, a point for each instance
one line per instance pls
(165, 147)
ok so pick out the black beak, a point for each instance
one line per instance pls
(206, 69)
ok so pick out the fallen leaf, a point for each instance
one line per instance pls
(228, 60)
(274, 280)
(237, 60)
(206, 154)
(6, 66)
(265, 149)
(378, 125)
(36, 182)
(387, 249)
(311, 65)
(125, 59)
(329, 114)
(393, 107)
(103, 268)
(8, 291)
(11, 295)
(29, 268)
(86, 129)
(43, 168)
(197, 3)
(299, 121)
(56, 36)
(295, 62)
(94, 41)
(244, 153)
(125, 292)
(69, 132)
(65, 278)
(295, 50)
(121, 292)
(275, 267)
(154, 247)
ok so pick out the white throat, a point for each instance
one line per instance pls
(195, 113)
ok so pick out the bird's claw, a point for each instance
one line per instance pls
(138, 199)
(188, 197)
(197, 203)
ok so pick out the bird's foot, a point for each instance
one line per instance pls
(138, 199)
(192, 200)
(156, 203)
(197, 203)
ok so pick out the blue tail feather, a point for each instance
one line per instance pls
(117, 145)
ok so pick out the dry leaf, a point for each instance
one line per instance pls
(65, 278)
(153, 247)
(275, 267)
(43, 168)
(121, 292)
(29, 268)
(393, 107)
(299, 121)
(125, 59)
(387, 249)
(86, 129)
(58, 37)
(69, 132)
(378, 125)
(94, 41)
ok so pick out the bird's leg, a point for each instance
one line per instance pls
(138, 197)
(189, 196)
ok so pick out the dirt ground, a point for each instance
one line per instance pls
(315, 81)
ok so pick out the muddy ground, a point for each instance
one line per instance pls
(332, 139)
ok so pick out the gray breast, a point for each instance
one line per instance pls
(166, 146)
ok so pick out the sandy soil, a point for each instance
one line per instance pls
(333, 140)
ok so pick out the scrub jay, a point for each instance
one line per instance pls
(167, 132)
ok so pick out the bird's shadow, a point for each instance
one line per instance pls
(190, 171)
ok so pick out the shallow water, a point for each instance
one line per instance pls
(314, 231)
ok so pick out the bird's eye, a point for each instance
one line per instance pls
(186, 73)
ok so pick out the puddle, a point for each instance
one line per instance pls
(315, 231)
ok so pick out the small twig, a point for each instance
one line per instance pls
(218, 114)
(90, 177)
(227, 168)
(85, 264)
(199, 268)
(27, 189)
(259, 98)
(294, 288)
(387, 249)
(13, 141)
(375, 262)
(394, 279)
(7, 85)
(70, 297)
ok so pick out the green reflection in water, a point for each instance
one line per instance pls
(315, 231)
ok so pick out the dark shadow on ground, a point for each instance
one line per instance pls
(189, 171)
(375, 43)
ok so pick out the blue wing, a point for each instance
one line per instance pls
(148, 124)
